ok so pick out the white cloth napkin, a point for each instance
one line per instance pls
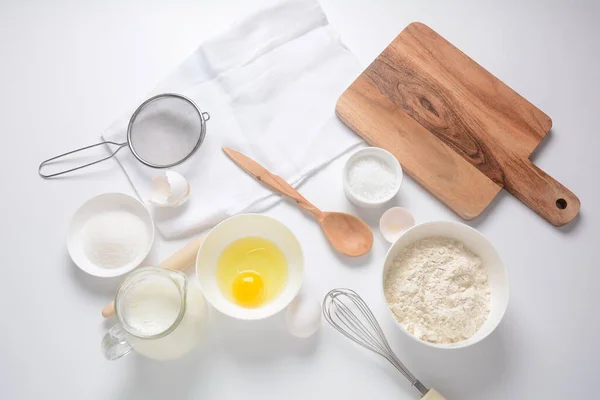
(270, 86)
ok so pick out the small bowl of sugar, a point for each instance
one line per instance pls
(110, 235)
(372, 177)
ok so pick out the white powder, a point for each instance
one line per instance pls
(113, 239)
(438, 290)
(371, 178)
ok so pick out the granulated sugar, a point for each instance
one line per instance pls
(371, 178)
(438, 290)
(113, 239)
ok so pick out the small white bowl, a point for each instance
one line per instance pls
(476, 242)
(94, 206)
(238, 227)
(382, 155)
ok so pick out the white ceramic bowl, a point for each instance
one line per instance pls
(476, 242)
(382, 155)
(238, 227)
(94, 206)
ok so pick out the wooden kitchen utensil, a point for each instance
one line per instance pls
(178, 261)
(347, 234)
(455, 128)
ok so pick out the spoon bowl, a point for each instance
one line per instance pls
(348, 234)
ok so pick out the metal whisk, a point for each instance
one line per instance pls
(347, 312)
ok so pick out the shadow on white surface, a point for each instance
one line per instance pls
(247, 344)
(105, 287)
(476, 370)
(260, 341)
(362, 261)
(490, 209)
(542, 146)
(372, 365)
(91, 173)
(173, 379)
(160, 214)
(372, 215)
(573, 225)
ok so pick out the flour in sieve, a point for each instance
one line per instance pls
(113, 239)
(438, 290)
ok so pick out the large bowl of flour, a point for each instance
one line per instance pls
(445, 284)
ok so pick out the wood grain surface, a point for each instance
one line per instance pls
(456, 129)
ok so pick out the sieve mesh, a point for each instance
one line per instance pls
(165, 131)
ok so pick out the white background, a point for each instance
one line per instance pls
(68, 68)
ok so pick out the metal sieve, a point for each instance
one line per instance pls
(164, 131)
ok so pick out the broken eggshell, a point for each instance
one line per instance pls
(169, 189)
(394, 222)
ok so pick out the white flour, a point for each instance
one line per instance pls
(438, 290)
(113, 239)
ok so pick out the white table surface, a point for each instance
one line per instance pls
(68, 68)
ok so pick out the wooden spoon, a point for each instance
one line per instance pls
(178, 261)
(347, 234)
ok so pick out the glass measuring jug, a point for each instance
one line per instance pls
(160, 315)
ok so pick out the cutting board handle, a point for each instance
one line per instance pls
(542, 193)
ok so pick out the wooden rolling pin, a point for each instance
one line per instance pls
(178, 261)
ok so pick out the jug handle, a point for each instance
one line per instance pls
(114, 343)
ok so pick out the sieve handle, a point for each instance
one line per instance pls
(44, 163)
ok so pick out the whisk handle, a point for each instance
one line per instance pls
(433, 394)
(44, 163)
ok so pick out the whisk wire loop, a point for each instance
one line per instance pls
(348, 313)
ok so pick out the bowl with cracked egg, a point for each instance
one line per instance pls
(445, 285)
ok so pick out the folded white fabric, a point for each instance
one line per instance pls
(270, 86)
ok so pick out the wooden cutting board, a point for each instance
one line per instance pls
(455, 128)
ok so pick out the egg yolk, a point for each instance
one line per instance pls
(248, 288)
